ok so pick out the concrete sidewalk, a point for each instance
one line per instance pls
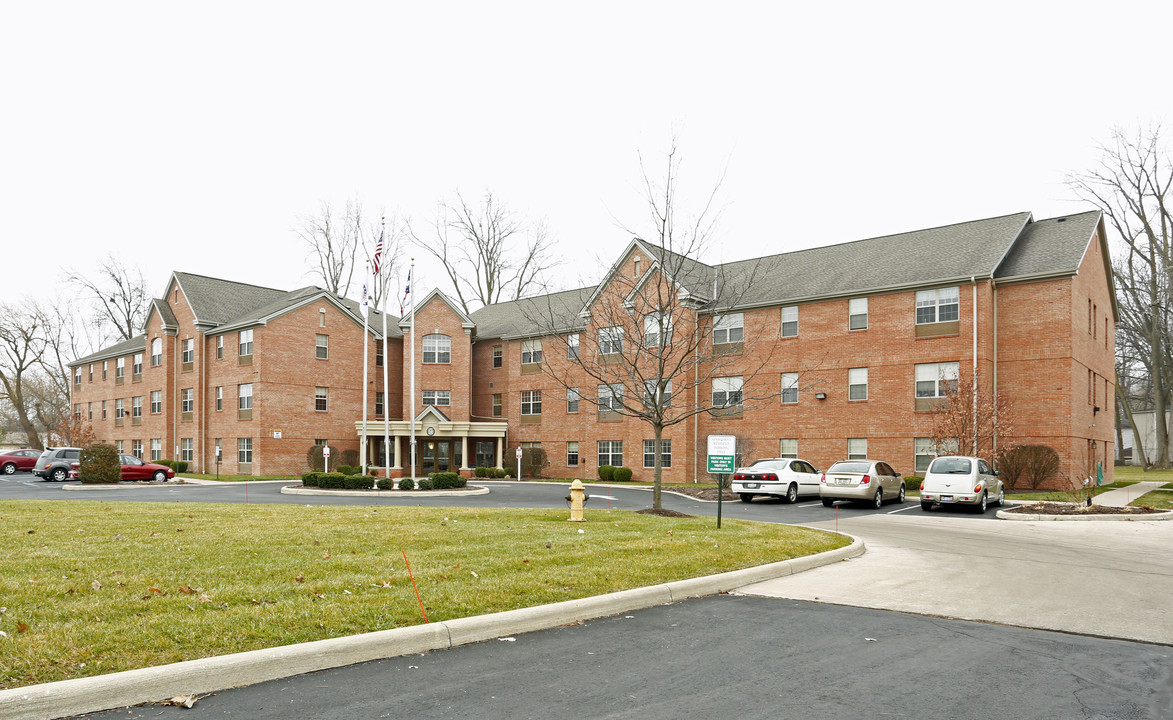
(1123, 496)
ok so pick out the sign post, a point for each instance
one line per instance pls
(722, 454)
(519, 462)
(326, 458)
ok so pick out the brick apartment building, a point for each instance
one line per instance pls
(833, 352)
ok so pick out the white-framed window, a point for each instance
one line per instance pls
(857, 314)
(378, 353)
(611, 453)
(77, 376)
(187, 400)
(790, 321)
(378, 403)
(105, 367)
(857, 448)
(321, 398)
(572, 398)
(658, 329)
(940, 305)
(437, 349)
(857, 384)
(610, 340)
(728, 329)
(925, 449)
(245, 345)
(219, 347)
(653, 392)
(437, 397)
(497, 356)
(665, 453)
(156, 402)
(572, 346)
(497, 405)
(120, 367)
(136, 406)
(118, 446)
(136, 448)
(727, 391)
(137, 369)
(119, 409)
(244, 396)
(103, 409)
(156, 352)
(91, 372)
(789, 388)
(531, 402)
(610, 397)
(572, 454)
(188, 350)
(90, 412)
(531, 351)
(244, 450)
(156, 449)
(186, 447)
(219, 397)
(322, 346)
(934, 380)
(788, 447)
(77, 411)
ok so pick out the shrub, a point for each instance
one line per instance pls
(332, 481)
(384, 484)
(621, 474)
(912, 483)
(99, 464)
(446, 480)
(509, 472)
(314, 460)
(356, 481)
(180, 466)
(349, 458)
(533, 461)
(167, 463)
(481, 472)
(498, 473)
(309, 479)
(346, 469)
(606, 473)
(424, 484)
(1029, 465)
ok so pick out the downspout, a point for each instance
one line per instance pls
(973, 282)
(203, 403)
(994, 295)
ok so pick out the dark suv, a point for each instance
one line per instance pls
(54, 463)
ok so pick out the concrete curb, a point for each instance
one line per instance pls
(398, 494)
(80, 487)
(199, 677)
(1140, 517)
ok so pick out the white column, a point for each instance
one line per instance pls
(500, 453)
(395, 444)
(464, 452)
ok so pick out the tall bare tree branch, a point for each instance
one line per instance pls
(333, 240)
(119, 297)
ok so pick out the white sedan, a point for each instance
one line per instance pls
(780, 477)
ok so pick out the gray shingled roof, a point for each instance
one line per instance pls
(216, 302)
(137, 343)
(1054, 245)
(165, 313)
(922, 257)
(557, 312)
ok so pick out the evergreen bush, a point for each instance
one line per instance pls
(180, 466)
(357, 481)
(383, 483)
(424, 484)
(621, 474)
(606, 473)
(406, 484)
(447, 480)
(99, 464)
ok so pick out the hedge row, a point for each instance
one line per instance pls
(492, 472)
(179, 466)
(609, 473)
(337, 481)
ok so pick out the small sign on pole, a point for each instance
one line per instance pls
(326, 458)
(519, 463)
(722, 451)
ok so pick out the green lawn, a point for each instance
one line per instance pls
(241, 478)
(1157, 498)
(1136, 474)
(1063, 496)
(90, 587)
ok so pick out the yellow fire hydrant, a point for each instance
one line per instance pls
(577, 499)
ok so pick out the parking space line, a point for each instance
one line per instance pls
(808, 505)
(910, 507)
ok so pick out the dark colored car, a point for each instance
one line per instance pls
(135, 469)
(13, 460)
(54, 463)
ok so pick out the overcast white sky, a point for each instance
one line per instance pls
(192, 136)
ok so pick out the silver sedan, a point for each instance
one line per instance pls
(869, 481)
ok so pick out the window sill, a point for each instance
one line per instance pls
(927, 330)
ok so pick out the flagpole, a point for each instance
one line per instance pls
(365, 346)
(386, 395)
(411, 280)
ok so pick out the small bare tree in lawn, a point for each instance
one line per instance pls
(21, 345)
(491, 254)
(660, 339)
(972, 421)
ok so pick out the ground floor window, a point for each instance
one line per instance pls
(486, 454)
(650, 453)
(788, 447)
(156, 449)
(185, 449)
(611, 453)
(136, 448)
(118, 446)
(857, 448)
(244, 450)
(572, 454)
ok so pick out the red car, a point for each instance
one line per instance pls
(13, 460)
(135, 469)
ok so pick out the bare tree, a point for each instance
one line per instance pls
(333, 240)
(21, 344)
(1131, 186)
(393, 233)
(489, 252)
(663, 342)
(119, 296)
(972, 420)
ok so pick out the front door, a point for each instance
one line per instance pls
(486, 454)
(435, 457)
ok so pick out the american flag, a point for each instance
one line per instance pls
(378, 252)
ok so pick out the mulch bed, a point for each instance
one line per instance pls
(700, 493)
(662, 512)
(1058, 508)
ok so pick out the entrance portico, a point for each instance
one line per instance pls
(442, 445)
